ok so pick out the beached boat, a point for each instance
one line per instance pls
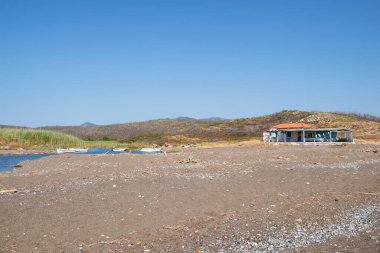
(151, 150)
(118, 149)
(71, 150)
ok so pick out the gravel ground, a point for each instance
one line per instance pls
(262, 198)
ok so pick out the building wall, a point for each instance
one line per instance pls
(294, 136)
(320, 136)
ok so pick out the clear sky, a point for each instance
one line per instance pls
(65, 62)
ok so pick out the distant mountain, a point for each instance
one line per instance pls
(213, 119)
(184, 118)
(7, 126)
(205, 119)
(88, 124)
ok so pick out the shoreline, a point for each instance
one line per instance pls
(25, 152)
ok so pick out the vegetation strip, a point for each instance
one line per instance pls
(21, 137)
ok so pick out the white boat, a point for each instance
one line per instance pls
(118, 149)
(71, 150)
(151, 150)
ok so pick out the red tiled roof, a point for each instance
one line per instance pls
(292, 125)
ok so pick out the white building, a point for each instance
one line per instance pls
(301, 132)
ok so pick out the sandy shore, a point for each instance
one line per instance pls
(240, 199)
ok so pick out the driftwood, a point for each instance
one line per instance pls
(8, 191)
(188, 161)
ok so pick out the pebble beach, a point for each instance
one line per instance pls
(259, 198)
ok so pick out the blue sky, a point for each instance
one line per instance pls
(64, 62)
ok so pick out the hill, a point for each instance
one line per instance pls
(7, 126)
(193, 131)
(124, 132)
(87, 124)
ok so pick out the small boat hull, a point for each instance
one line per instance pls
(118, 149)
(71, 150)
(151, 150)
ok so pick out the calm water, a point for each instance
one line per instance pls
(8, 162)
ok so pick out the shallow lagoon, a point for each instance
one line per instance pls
(9, 162)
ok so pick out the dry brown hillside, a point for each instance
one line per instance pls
(364, 127)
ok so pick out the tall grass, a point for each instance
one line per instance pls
(26, 138)
(102, 144)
